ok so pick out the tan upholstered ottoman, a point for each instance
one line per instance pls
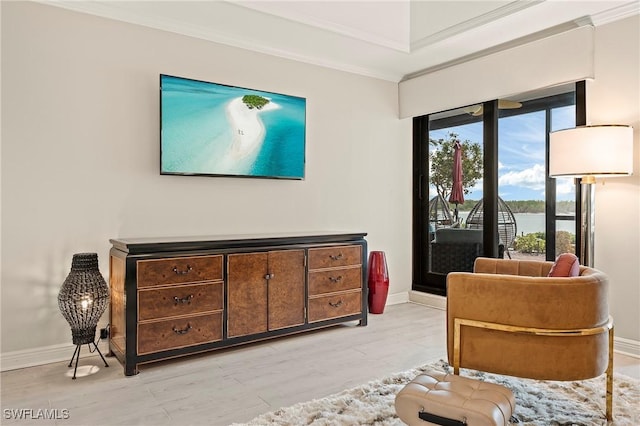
(446, 399)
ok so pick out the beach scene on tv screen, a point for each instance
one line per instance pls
(213, 129)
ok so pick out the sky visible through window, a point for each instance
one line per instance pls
(521, 154)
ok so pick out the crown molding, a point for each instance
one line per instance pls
(388, 50)
(494, 15)
(558, 29)
(616, 14)
(105, 10)
(332, 26)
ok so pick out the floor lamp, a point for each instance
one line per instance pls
(589, 152)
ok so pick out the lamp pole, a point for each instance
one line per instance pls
(587, 228)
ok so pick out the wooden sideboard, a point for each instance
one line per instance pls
(177, 296)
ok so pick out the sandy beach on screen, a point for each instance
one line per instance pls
(248, 129)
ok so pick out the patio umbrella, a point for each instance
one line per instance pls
(457, 192)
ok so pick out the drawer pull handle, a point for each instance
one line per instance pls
(335, 279)
(336, 305)
(184, 300)
(269, 276)
(336, 257)
(183, 331)
(189, 269)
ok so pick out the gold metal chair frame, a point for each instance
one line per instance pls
(607, 328)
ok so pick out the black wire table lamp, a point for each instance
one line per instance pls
(82, 300)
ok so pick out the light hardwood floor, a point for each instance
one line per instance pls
(235, 385)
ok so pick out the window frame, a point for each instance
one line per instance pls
(423, 279)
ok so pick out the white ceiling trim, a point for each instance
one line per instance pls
(347, 50)
(529, 38)
(487, 18)
(620, 12)
(492, 77)
(179, 27)
(325, 24)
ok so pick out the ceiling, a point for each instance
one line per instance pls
(392, 40)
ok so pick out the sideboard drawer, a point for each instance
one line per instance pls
(157, 303)
(329, 281)
(179, 270)
(331, 257)
(179, 332)
(334, 306)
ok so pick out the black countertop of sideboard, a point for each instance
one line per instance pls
(164, 244)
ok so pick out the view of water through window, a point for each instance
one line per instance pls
(521, 177)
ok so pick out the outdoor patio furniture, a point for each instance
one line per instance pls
(507, 226)
(456, 249)
(439, 213)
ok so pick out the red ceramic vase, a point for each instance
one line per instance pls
(378, 282)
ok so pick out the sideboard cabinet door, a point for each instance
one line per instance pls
(286, 288)
(266, 291)
(247, 294)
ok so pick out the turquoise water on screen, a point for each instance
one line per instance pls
(196, 135)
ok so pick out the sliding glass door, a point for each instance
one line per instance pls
(481, 185)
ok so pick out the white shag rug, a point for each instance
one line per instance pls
(538, 403)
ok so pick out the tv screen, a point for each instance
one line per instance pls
(217, 130)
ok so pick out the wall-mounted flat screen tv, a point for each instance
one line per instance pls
(217, 130)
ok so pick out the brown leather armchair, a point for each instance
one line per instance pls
(508, 317)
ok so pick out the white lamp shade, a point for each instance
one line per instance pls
(599, 151)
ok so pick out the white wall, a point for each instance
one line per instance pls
(613, 97)
(80, 156)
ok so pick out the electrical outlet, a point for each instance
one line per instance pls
(104, 333)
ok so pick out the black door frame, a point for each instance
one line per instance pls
(426, 281)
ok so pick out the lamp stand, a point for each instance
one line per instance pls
(82, 299)
(76, 355)
(587, 225)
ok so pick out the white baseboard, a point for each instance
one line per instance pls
(626, 346)
(431, 300)
(45, 355)
(397, 298)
